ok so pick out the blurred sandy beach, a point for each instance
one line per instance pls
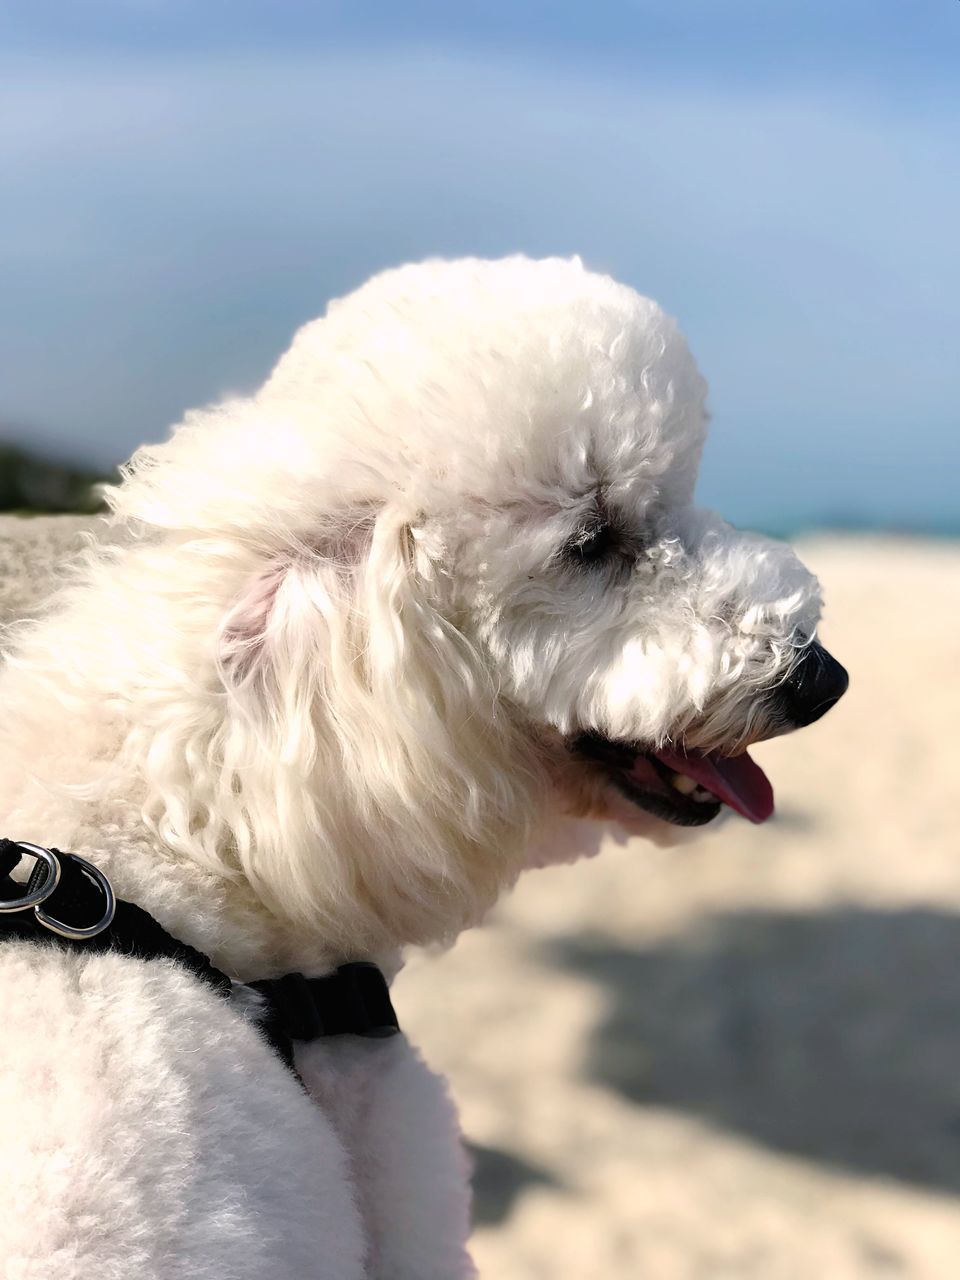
(740, 1058)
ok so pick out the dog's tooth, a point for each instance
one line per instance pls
(680, 782)
(702, 795)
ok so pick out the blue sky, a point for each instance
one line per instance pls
(181, 185)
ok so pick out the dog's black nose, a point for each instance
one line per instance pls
(816, 682)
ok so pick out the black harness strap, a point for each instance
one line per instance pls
(77, 901)
(354, 1000)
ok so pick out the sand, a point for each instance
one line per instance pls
(740, 1058)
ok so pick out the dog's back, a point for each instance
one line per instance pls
(149, 1131)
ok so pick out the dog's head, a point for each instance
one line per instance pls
(462, 585)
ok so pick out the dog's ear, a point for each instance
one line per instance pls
(365, 752)
(343, 634)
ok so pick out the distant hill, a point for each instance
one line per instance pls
(31, 483)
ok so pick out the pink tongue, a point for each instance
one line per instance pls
(736, 780)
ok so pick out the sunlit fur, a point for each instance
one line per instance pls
(329, 657)
(311, 701)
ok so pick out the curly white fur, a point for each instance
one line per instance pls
(311, 703)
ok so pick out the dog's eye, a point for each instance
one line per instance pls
(592, 542)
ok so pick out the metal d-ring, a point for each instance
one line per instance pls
(91, 931)
(50, 880)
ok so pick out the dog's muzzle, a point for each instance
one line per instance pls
(816, 682)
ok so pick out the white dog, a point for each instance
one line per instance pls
(357, 642)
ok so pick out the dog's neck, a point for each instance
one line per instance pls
(50, 794)
(218, 915)
(264, 851)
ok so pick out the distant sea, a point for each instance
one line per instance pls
(794, 528)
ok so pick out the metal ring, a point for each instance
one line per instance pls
(103, 884)
(50, 880)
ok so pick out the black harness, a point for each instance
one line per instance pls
(69, 902)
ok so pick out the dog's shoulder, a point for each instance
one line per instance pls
(148, 1125)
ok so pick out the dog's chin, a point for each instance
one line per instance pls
(649, 791)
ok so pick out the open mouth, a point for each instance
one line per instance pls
(687, 788)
